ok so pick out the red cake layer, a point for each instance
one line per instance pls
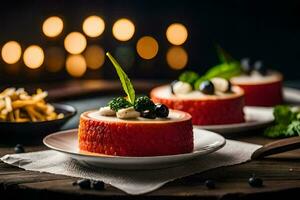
(262, 93)
(113, 136)
(205, 110)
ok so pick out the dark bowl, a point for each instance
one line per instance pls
(31, 132)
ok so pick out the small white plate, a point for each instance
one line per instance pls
(205, 142)
(255, 117)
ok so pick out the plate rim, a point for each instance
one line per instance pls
(108, 157)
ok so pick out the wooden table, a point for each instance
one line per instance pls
(281, 175)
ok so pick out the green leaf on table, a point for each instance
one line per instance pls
(276, 131)
(283, 114)
(125, 81)
(293, 129)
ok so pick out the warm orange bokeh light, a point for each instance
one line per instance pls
(75, 43)
(123, 29)
(11, 52)
(54, 59)
(147, 47)
(76, 65)
(93, 26)
(94, 56)
(177, 34)
(53, 26)
(33, 57)
(177, 57)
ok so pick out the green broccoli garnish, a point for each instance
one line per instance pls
(119, 103)
(143, 103)
(189, 77)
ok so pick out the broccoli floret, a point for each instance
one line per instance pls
(189, 77)
(144, 103)
(119, 103)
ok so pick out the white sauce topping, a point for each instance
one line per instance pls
(257, 78)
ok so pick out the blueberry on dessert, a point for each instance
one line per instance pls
(207, 87)
(130, 126)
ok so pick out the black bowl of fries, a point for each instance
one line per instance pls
(25, 118)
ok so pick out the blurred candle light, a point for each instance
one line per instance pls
(147, 47)
(33, 56)
(75, 43)
(93, 26)
(76, 65)
(11, 52)
(177, 57)
(54, 59)
(53, 26)
(177, 34)
(123, 29)
(94, 56)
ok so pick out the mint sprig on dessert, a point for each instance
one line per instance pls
(287, 122)
(131, 107)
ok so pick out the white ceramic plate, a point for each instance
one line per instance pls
(255, 117)
(205, 142)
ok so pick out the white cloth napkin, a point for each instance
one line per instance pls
(131, 182)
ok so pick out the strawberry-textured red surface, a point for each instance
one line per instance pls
(135, 139)
(206, 111)
(267, 94)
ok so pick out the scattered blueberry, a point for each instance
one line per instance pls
(207, 87)
(161, 110)
(98, 185)
(255, 181)
(84, 183)
(258, 66)
(172, 85)
(150, 114)
(246, 66)
(19, 148)
(210, 184)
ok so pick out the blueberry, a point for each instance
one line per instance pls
(19, 148)
(98, 185)
(255, 182)
(84, 183)
(207, 87)
(150, 114)
(210, 184)
(161, 110)
(246, 66)
(258, 66)
(172, 85)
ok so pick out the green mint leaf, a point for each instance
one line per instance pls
(224, 56)
(125, 81)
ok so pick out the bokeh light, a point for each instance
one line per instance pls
(11, 52)
(54, 59)
(177, 57)
(94, 56)
(147, 47)
(177, 34)
(33, 56)
(125, 55)
(76, 65)
(53, 26)
(123, 29)
(75, 43)
(93, 26)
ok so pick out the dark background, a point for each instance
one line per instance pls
(267, 30)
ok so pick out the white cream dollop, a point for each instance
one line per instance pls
(107, 111)
(182, 88)
(127, 113)
(220, 84)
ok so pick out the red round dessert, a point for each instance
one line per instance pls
(136, 137)
(205, 109)
(264, 91)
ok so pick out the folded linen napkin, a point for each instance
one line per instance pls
(132, 182)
